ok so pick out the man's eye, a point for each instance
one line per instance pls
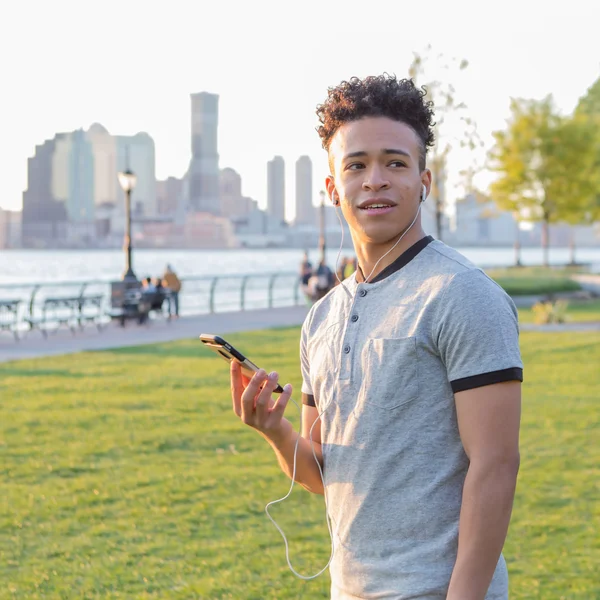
(397, 163)
(354, 166)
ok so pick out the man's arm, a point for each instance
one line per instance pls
(307, 471)
(488, 422)
(253, 402)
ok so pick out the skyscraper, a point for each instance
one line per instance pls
(114, 153)
(136, 152)
(204, 166)
(104, 147)
(276, 188)
(305, 212)
(44, 218)
(73, 176)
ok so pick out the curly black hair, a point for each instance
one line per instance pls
(380, 96)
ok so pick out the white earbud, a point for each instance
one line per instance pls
(333, 200)
(424, 194)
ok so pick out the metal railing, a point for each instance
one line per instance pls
(199, 295)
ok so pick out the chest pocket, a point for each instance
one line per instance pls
(390, 372)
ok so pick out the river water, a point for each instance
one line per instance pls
(39, 266)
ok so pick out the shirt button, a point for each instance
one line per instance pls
(347, 349)
(363, 293)
(354, 318)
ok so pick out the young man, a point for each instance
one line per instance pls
(415, 367)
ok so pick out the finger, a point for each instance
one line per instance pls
(237, 387)
(282, 401)
(270, 401)
(251, 392)
(263, 399)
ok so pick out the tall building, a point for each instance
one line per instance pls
(104, 147)
(73, 176)
(233, 204)
(276, 188)
(204, 166)
(44, 218)
(136, 152)
(117, 153)
(305, 211)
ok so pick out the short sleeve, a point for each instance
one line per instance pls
(477, 332)
(304, 362)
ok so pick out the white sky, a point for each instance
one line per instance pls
(131, 66)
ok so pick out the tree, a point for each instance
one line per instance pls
(588, 109)
(447, 109)
(580, 174)
(589, 104)
(546, 163)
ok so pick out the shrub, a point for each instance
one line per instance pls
(550, 312)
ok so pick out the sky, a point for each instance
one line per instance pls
(131, 65)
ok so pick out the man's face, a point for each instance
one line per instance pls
(375, 161)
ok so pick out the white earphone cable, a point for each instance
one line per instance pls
(327, 516)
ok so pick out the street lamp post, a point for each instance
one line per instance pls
(322, 225)
(127, 179)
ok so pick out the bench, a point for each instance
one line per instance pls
(90, 311)
(130, 301)
(156, 301)
(9, 316)
(71, 311)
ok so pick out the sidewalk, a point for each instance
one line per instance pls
(560, 327)
(113, 336)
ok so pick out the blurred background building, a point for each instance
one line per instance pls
(276, 188)
(305, 211)
(204, 166)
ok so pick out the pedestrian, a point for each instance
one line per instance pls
(173, 285)
(306, 272)
(148, 286)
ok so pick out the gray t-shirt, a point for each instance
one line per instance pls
(384, 362)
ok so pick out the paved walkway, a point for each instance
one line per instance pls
(589, 282)
(559, 327)
(33, 345)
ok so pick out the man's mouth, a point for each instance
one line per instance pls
(373, 207)
(376, 206)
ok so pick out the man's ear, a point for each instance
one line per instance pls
(426, 180)
(330, 187)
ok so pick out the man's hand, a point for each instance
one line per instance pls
(254, 404)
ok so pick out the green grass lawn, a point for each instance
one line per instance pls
(531, 281)
(124, 474)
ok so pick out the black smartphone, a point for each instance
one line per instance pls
(227, 352)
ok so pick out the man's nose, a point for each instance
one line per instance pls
(375, 179)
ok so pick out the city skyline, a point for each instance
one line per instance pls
(100, 156)
(261, 115)
(72, 198)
